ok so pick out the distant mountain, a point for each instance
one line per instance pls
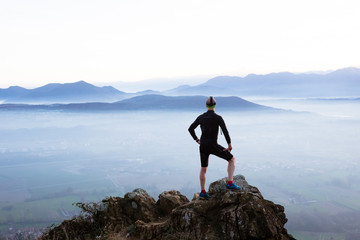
(337, 84)
(148, 102)
(146, 92)
(340, 83)
(155, 102)
(13, 91)
(160, 84)
(62, 93)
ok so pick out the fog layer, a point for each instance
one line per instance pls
(304, 161)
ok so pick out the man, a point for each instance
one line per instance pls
(209, 123)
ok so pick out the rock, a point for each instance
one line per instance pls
(136, 205)
(220, 186)
(139, 205)
(169, 200)
(243, 214)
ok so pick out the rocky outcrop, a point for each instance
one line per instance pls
(243, 214)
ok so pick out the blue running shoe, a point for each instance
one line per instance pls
(233, 187)
(204, 196)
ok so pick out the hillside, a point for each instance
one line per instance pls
(147, 102)
(62, 93)
(12, 92)
(340, 83)
(228, 214)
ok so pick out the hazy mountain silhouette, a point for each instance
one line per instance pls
(184, 102)
(13, 91)
(68, 92)
(343, 82)
(147, 102)
(340, 83)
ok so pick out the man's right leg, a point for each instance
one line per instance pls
(221, 152)
(231, 169)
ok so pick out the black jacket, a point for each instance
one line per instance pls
(209, 123)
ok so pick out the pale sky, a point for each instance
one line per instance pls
(46, 41)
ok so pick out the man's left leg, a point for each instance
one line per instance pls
(204, 156)
(203, 178)
(203, 194)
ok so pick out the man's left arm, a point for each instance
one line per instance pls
(192, 130)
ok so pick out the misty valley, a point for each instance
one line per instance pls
(306, 159)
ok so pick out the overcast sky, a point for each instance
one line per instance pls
(45, 41)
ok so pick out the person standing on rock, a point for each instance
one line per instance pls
(209, 123)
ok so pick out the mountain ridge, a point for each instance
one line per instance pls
(79, 91)
(340, 83)
(148, 102)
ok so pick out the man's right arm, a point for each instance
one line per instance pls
(225, 131)
(226, 134)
